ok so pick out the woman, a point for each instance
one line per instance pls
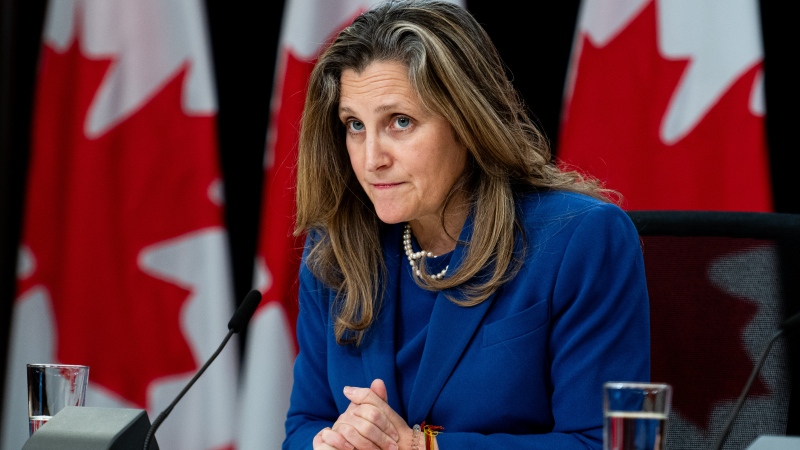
(529, 293)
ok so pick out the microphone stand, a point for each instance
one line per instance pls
(235, 325)
(165, 413)
(738, 406)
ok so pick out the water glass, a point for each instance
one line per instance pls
(635, 415)
(51, 387)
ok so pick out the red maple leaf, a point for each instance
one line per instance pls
(696, 327)
(94, 204)
(611, 130)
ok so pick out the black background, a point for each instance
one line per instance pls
(534, 42)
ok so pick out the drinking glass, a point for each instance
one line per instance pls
(51, 387)
(635, 415)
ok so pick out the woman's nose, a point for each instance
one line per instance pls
(377, 154)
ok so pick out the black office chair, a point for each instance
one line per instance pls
(720, 284)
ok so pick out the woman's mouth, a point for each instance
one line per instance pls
(385, 185)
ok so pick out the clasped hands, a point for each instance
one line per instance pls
(368, 423)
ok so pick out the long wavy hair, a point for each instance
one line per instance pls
(457, 72)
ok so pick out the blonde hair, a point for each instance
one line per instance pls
(457, 72)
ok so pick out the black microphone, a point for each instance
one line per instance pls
(245, 311)
(786, 327)
(235, 325)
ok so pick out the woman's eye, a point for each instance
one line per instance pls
(355, 125)
(402, 122)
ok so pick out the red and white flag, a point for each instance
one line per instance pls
(271, 342)
(124, 260)
(665, 103)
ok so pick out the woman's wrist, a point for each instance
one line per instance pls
(423, 437)
(417, 439)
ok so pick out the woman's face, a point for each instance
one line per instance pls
(405, 157)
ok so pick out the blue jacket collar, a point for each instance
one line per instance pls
(450, 330)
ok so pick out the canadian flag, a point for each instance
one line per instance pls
(124, 262)
(665, 103)
(271, 342)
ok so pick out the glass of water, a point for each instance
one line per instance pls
(51, 387)
(635, 415)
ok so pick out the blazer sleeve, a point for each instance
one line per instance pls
(312, 404)
(599, 331)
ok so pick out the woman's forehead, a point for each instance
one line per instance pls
(381, 85)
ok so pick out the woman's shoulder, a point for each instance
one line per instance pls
(565, 210)
(553, 204)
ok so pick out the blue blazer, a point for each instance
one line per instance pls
(522, 370)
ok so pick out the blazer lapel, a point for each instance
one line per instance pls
(450, 330)
(378, 348)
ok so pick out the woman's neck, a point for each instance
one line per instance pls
(434, 238)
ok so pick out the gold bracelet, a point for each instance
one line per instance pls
(415, 437)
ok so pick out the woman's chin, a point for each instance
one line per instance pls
(391, 217)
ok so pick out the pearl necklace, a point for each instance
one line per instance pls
(414, 256)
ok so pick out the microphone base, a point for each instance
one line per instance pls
(91, 428)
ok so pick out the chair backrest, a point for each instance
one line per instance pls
(720, 285)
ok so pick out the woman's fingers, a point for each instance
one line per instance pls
(327, 439)
(365, 424)
(371, 407)
(362, 395)
(365, 436)
(379, 388)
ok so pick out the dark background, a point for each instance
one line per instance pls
(534, 42)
